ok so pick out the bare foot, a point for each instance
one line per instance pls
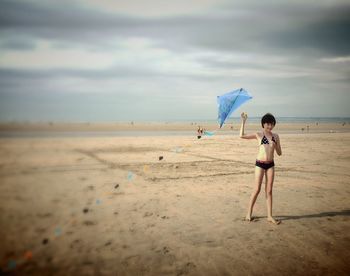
(274, 221)
(248, 218)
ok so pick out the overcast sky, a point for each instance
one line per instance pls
(104, 60)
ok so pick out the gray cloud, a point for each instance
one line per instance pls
(269, 27)
(115, 72)
(329, 33)
(285, 41)
(17, 43)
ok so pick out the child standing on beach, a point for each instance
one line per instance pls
(264, 166)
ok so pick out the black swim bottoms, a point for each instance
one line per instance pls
(264, 164)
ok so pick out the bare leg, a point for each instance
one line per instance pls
(259, 174)
(265, 183)
(270, 175)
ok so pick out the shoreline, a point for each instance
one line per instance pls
(157, 129)
(136, 133)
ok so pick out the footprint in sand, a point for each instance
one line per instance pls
(89, 223)
(186, 269)
(131, 260)
(165, 250)
(147, 214)
(108, 243)
(87, 262)
(75, 243)
(165, 217)
(45, 215)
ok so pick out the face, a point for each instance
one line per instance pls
(268, 127)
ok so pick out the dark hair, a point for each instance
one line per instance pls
(269, 119)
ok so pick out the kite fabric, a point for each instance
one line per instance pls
(229, 102)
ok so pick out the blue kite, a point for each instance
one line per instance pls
(229, 102)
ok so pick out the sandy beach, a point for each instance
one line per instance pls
(112, 158)
(110, 206)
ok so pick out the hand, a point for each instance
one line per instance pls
(244, 116)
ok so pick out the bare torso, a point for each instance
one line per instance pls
(266, 151)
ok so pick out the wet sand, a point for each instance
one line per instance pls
(109, 206)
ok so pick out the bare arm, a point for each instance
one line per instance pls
(278, 145)
(241, 133)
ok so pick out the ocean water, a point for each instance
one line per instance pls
(309, 120)
(125, 133)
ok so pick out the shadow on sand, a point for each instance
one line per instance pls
(319, 215)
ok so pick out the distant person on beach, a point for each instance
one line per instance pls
(199, 132)
(264, 166)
